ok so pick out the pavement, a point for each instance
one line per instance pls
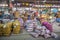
(26, 36)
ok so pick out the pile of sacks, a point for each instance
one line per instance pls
(45, 29)
(28, 25)
(10, 27)
(16, 27)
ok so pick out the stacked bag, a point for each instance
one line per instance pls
(1, 27)
(29, 25)
(10, 27)
(7, 29)
(16, 26)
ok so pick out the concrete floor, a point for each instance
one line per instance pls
(25, 36)
(56, 27)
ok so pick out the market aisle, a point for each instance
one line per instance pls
(25, 36)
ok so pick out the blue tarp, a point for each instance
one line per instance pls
(55, 10)
(58, 19)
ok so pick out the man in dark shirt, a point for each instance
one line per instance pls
(1, 15)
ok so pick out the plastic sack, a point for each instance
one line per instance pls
(1, 25)
(48, 26)
(16, 27)
(21, 21)
(58, 19)
(7, 29)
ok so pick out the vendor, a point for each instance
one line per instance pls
(1, 15)
(1, 21)
(11, 15)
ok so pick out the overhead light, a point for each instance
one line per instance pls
(23, 3)
(14, 9)
(27, 4)
(37, 1)
(44, 1)
(12, 0)
(50, 17)
(52, 9)
(59, 9)
(18, 3)
(30, 4)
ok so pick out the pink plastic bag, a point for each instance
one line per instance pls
(48, 26)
